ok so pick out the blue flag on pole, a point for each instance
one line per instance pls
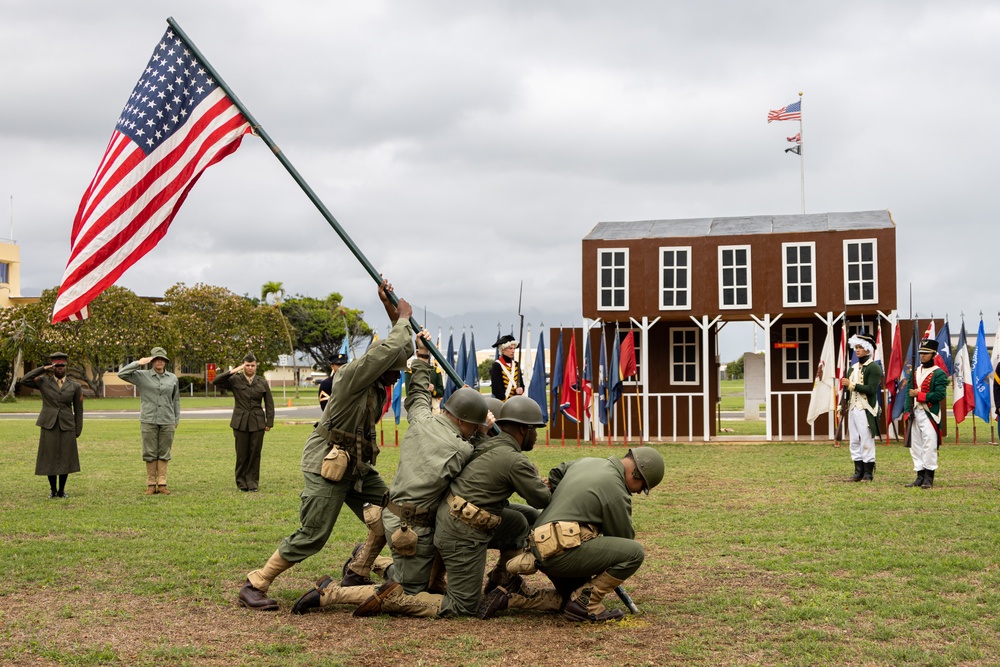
(471, 367)
(587, 376)
(449, 384)
(615, 373)
(462, 359)
(557, 374)
(602, 381)
(944, 350)
(536, 389)
(981, 370)
(397, 399)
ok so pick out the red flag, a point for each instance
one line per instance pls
(177, 123)
(569, 401)
(627, 360)
(893, 376)
(388, 401)
(963, 393)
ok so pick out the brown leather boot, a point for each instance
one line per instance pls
(584, 607)
(254, 598)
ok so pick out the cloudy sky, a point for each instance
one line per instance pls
(467, 146)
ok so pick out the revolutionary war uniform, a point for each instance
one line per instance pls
(338, 467)
(60, 420)
(930, 384)
(326, 385)
(249, 421)
(505, 374)
(864, 384)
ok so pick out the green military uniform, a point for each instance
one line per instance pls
(591, 491)
(431, 454)
(348, 422)
(159, 409)
(248, 422)
(867, 378)
(60, 420)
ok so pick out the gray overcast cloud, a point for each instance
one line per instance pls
(468, 146)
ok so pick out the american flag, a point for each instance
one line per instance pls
(177, 122)
(796, 139)
(792, 112)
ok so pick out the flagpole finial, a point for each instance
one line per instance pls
(800, 93)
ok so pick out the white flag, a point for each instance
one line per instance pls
(824, 390)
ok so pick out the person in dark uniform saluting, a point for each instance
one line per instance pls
(250, 420)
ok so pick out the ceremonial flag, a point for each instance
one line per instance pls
(943, 358)
(463, 358)
(930, 333)
(791, 112)
(397, 398)
(842, 358)
(627, 361)
(177, 123)
(879, 357)
(471, 367)
(995, 363)
(904, 377)
(557, 376)
(824, 393)
(345, 347)
(797, 138)
(893, 376)
(449, 384)
(981, 372)
(536, 390)
(614, 373)
(569, 401)
(602, 381)
(963, 396)
(587, 380)
(797, 149)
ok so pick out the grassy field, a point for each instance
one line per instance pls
(755, 555)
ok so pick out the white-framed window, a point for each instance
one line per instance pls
(861, 270)
(612, 279)
(734, 277)
(796, 362)
(684, 355)
(799, 260)
(675, 278)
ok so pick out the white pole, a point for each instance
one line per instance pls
(802, 164)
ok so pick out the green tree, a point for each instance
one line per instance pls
(17, 338)
(484, 369)
(320, 325)
(734, 369)
(276, 291)
(213, 324)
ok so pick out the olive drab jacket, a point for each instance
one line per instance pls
(62, 407)
(160, 394)
(591, 491)
(248, 415)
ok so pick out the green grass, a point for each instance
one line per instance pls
(755, 555)
(34, 403)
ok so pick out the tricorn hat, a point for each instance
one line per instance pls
(159, 353)
(928, 346)
(504, 341)
(864, 339)
(338, 359)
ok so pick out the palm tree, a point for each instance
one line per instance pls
(277, 290)
(21, 339)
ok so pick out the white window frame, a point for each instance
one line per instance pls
(874, 280)
(785, 353)
(601, 252)
(749, 284)
(697, 356)
(799, 285)
(686, 290)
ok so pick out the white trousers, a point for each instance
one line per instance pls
(862, 442)
(923, 442)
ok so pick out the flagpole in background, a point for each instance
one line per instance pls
(802, 160)
(313, 197)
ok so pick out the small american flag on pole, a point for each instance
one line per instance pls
(792, 112)
(797, 138)
(177, 123)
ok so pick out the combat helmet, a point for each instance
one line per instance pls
(650, 465)
(521, 410)
(468, 405)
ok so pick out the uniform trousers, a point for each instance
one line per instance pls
(618, 556)
(412, 572)
(862, 443)
(322, 501)
(923, 441)
(157, 439)
(248, 447)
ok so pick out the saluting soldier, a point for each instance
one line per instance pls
(338, 462)
(864, 383)
(928, 387)
(60, 420)
(505, 373)
(250, 421)
(326, 386)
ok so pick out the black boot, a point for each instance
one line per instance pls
(928, 479)
(859, 471)
(869, 469)
(919, 481)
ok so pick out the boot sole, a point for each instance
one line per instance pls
(266, 608)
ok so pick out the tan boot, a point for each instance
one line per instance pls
(360, 568)
(150, 477)
(389, 598)
(262, 578)
(380, 565)
(161, 474)
(588, 606)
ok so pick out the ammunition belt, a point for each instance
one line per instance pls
(410, 514)
(470, 515)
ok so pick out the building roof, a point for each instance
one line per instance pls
(751, 224)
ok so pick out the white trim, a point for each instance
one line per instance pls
(784, 355)
(686, 290)
(874, 279)
(800, 284)
(600, 289)
(697, 354)
(749, 284)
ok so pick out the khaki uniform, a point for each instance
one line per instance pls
(159, 409)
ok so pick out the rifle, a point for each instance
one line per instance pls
(626, 599)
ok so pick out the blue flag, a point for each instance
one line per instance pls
(587, 376)
(471, 367)
(397, 399)
(981, 370)
(944, 350)
(462, 359)
(906, 375)
(536, 389)
(602, 381)
(557, 374)
(615, 373)
(449, 384)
